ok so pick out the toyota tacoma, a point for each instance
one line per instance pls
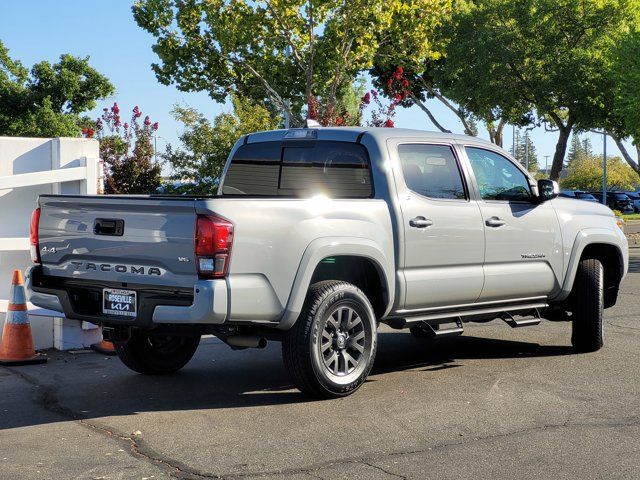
(315, 237)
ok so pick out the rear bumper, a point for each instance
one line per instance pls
(80, 300)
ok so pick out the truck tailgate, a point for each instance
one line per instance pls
(124, 239)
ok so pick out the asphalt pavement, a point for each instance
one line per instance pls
(494, 403)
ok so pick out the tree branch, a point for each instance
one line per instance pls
(271, 92)
(347, 43)
(558, 121)
(445, 101)
(426, 110)
(632, 163)
(287, 34)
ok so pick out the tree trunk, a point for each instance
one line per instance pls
(309, 72)
(632, 163)
(561, 148)
(495, 134)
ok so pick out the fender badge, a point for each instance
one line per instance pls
(533, 255)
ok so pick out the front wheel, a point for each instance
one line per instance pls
(156, 354)
(330, 350)
(587, 306)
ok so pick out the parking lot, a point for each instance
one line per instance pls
(494, 403)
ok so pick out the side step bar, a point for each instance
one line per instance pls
(500, 311)
(445, 332)
(514, 322)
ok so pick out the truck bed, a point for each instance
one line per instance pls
(154, 252)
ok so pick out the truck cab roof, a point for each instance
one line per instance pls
(353, 134)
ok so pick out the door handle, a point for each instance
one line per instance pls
(420, 222)
(495, 222)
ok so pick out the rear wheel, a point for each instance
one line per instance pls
(156, 354)
(330, 350)
(587, 306)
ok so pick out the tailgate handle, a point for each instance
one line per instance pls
(108, 226)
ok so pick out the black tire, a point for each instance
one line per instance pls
(320, 349)
(587, 305)
(155, 354)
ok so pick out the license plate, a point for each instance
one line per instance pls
(119, 302)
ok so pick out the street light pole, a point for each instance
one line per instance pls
(546, 163)
(526, 150)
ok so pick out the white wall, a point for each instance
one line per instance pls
(48, 156)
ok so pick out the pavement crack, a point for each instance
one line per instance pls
(624, 327)
(368, 459)
(313, 476)
(140, 449)
(46, 397)
(384, 470)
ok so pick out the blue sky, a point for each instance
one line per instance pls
(106, 32)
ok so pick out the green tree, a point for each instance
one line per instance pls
(49, 100)
(417, 44)
(537, 56)
(126, 149)
(296, 56)
(585, 173)
(205, 145)
(525, 151)
(625, 123)
(579, 148)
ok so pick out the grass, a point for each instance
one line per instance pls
(631, 216)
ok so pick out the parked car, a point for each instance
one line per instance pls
(635, 198)
(616, 201)
(315, 237)
(578, 195)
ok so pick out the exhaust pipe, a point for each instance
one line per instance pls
(246, 341)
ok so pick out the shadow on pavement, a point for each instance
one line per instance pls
(93, 386)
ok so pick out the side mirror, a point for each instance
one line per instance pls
(547, 189)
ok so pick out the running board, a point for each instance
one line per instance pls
(447, 332)
(514, 322)
(404, 322)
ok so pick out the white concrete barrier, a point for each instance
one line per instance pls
(30, 167)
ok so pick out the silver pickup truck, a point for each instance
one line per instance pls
(315, 237)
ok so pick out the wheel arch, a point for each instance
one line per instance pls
(604, 246)
(355, 260)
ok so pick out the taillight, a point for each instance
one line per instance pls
(213, 240)
(34, 241)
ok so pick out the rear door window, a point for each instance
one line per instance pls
(300, 169)
(254, 170)
(334, 169)
(432, 171)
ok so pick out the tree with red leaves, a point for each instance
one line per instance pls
(397, 90)
(127, 151)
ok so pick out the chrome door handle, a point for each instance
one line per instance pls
(420, 222)
(495, 222)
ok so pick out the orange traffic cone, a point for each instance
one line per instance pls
(104, 347)
(16, 347)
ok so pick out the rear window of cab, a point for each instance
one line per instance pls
(299, 169)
